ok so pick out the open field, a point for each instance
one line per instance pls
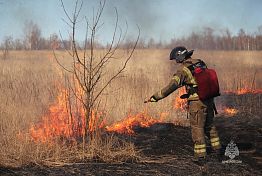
(30, 82)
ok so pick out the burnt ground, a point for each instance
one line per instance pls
(167, 150)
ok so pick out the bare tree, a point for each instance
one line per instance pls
(54, 41)
(208, 37)
(32, 35)
(18, 44)
(151, 43)
(259, 38)
(88, 66)
(7, 45)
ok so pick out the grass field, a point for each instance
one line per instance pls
(29, 84)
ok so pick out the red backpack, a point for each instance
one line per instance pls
(207, 81)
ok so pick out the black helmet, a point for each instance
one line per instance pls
(180, 54)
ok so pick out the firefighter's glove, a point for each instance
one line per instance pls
(151, 99)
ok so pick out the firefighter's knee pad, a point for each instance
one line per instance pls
(197, 113)
(197, 118)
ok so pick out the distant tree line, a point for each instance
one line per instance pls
(207, 39)
(223, 41)
(33, 40)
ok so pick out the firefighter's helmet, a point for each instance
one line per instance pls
(180, 54)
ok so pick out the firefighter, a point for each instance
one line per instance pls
(201, 112)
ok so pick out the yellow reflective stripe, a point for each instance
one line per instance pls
(200, 146)
(161, 94)
(194, 95)
(176, 78)
(214, 144)
(152, 99)
(191, 79)
(214, 139)
(200, 151)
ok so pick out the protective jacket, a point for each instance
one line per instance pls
(183, 77)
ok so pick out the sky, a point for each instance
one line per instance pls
(158, 19)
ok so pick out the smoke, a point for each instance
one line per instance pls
(158, 19)
(143, 14)
(166, 18)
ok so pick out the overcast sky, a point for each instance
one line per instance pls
(160, 19)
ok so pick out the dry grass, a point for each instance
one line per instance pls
(28, 85)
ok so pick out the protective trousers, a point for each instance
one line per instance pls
(201, 115)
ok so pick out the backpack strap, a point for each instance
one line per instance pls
(200, 64)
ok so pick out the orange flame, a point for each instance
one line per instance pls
(141, 119)
(68, 121)
(63, 121)
(231, 111)
(180, 104)
(245, 91)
